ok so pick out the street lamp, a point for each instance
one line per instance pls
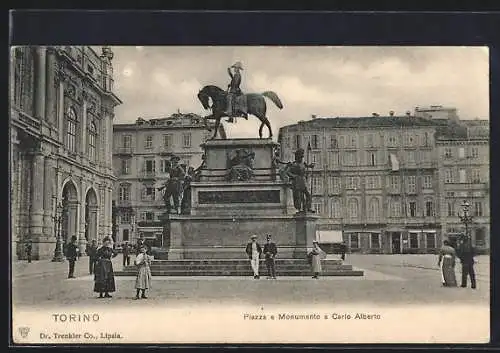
(466, 218)
(58, 252)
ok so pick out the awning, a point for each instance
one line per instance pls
(429, 231)
(415, 231)
(329, 236)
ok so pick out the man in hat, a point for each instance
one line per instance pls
(297, 172)
(71, 256)
(234, 90)
(270, 251)
(466, 254)
(253, 251)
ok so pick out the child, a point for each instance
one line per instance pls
(143, 279)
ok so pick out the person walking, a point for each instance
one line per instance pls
(270, 251)
(143, 278)
(92, 252)
(104, 277)
(316, 255)
(29, 249)
(446, 261)
(343, 250)
(254, 251)
(72, 256)
(126, 254)
(466, 254)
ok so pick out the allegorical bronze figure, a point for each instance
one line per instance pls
(297, 172)
(240, 165)
(174, 185)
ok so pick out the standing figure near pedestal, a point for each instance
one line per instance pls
(186, 193)
(297, 172)
(173, 186)
(253, 251)
(316, 254)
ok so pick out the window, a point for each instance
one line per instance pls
(447, 152)
(412, 205)
(316, 159)
(474, 152)
(375, 240)
(125, 217)
(148, 144)
(461, 152)
(352, 183)
(451, 209)
(125, 166)
(150, 166)
(165, 164)
(186, 140)
(372, 159)
(478, 209)
(392, 141)
(476, 176)
(411, 156)
(149, 193)
(333, 184)
(287, 141)
(353, 241)
(372, 182)
(317, 185)
(314, 142)
(148, 216)
(448, 176)
(125, 235)
(167, 141)
(124, 192)
(412, 184)
(395, 208)
(126, 141)
(480, 238)
(71, 130)
(298, 141)
(374, 210)
(429, 208)
(350, 158)
(335, 209)
(333, 159)
(413, 240)
(427, 181)
(353, 209)
(395, 182)
(353, 141)
(462, 175)
(92, 141)
(90, 69)
(426, 139)
(333, 142)
(430, 239)
(317, 207)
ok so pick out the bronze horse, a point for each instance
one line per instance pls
(256, 105)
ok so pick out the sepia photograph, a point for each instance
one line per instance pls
(249, 194)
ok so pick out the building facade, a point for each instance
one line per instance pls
(61, 176)
(379, 180)
(140, 153)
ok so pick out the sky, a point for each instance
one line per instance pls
(351, 81)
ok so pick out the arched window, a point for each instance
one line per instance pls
(71, 130)
(353, 209)
(374, 210)
(92, 141)
(335, 209)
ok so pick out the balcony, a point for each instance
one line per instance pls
(27, 123)
(167, 151)
(124, 151)
(147, 175)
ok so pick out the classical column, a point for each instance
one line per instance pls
(51, 89)
(40, 82)
(37, 199)
(110, 211)
(81, 229)
(72, 219)
(84, 129)
(48, 191)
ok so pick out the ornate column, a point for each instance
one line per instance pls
(51, 88)
(109, 222)
(72, 219)
(83, 204)
(40, 82)
(48, 192)
(84, 124)
(37, 199)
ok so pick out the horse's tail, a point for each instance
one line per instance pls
(274, 98)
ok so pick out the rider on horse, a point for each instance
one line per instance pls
(233, 92)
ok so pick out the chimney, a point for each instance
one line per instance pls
(375, 114)
(313, 116)
(408, 113)
(391, 113)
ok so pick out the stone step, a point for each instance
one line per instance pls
(241, 268)
(241, 273)
(236, 261)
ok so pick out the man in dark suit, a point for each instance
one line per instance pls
(92, 252)
(71, 256)
(343, 249)
(270, 251)
(126, 254)
(253, 251)
(466, 254)
(29, 248)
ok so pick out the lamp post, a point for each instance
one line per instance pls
(58, 252)
(466, 218)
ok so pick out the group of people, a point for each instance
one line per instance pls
(448, 254)
(255, 251)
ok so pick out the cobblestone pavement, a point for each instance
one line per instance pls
(389, 279)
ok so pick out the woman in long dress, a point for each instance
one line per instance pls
(143, 279)
(317, 254)
(447, 256)
(104, 279)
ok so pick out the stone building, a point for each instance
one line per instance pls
(140, 151)
(61, 175)
(378, 180)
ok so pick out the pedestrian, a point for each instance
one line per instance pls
(29, 248)
(466, 254)
(138, 245)
(270, 251)
(254, 251)
(72, 255)
(126, 254)
(104, 277)
(92, 252)
(343, 250)
(316, 255)
(143, 278)
(446, 261)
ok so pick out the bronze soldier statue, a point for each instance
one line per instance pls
(234, 91)
(297, 172)
(173, 186)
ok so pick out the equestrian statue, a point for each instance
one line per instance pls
(234, 103)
